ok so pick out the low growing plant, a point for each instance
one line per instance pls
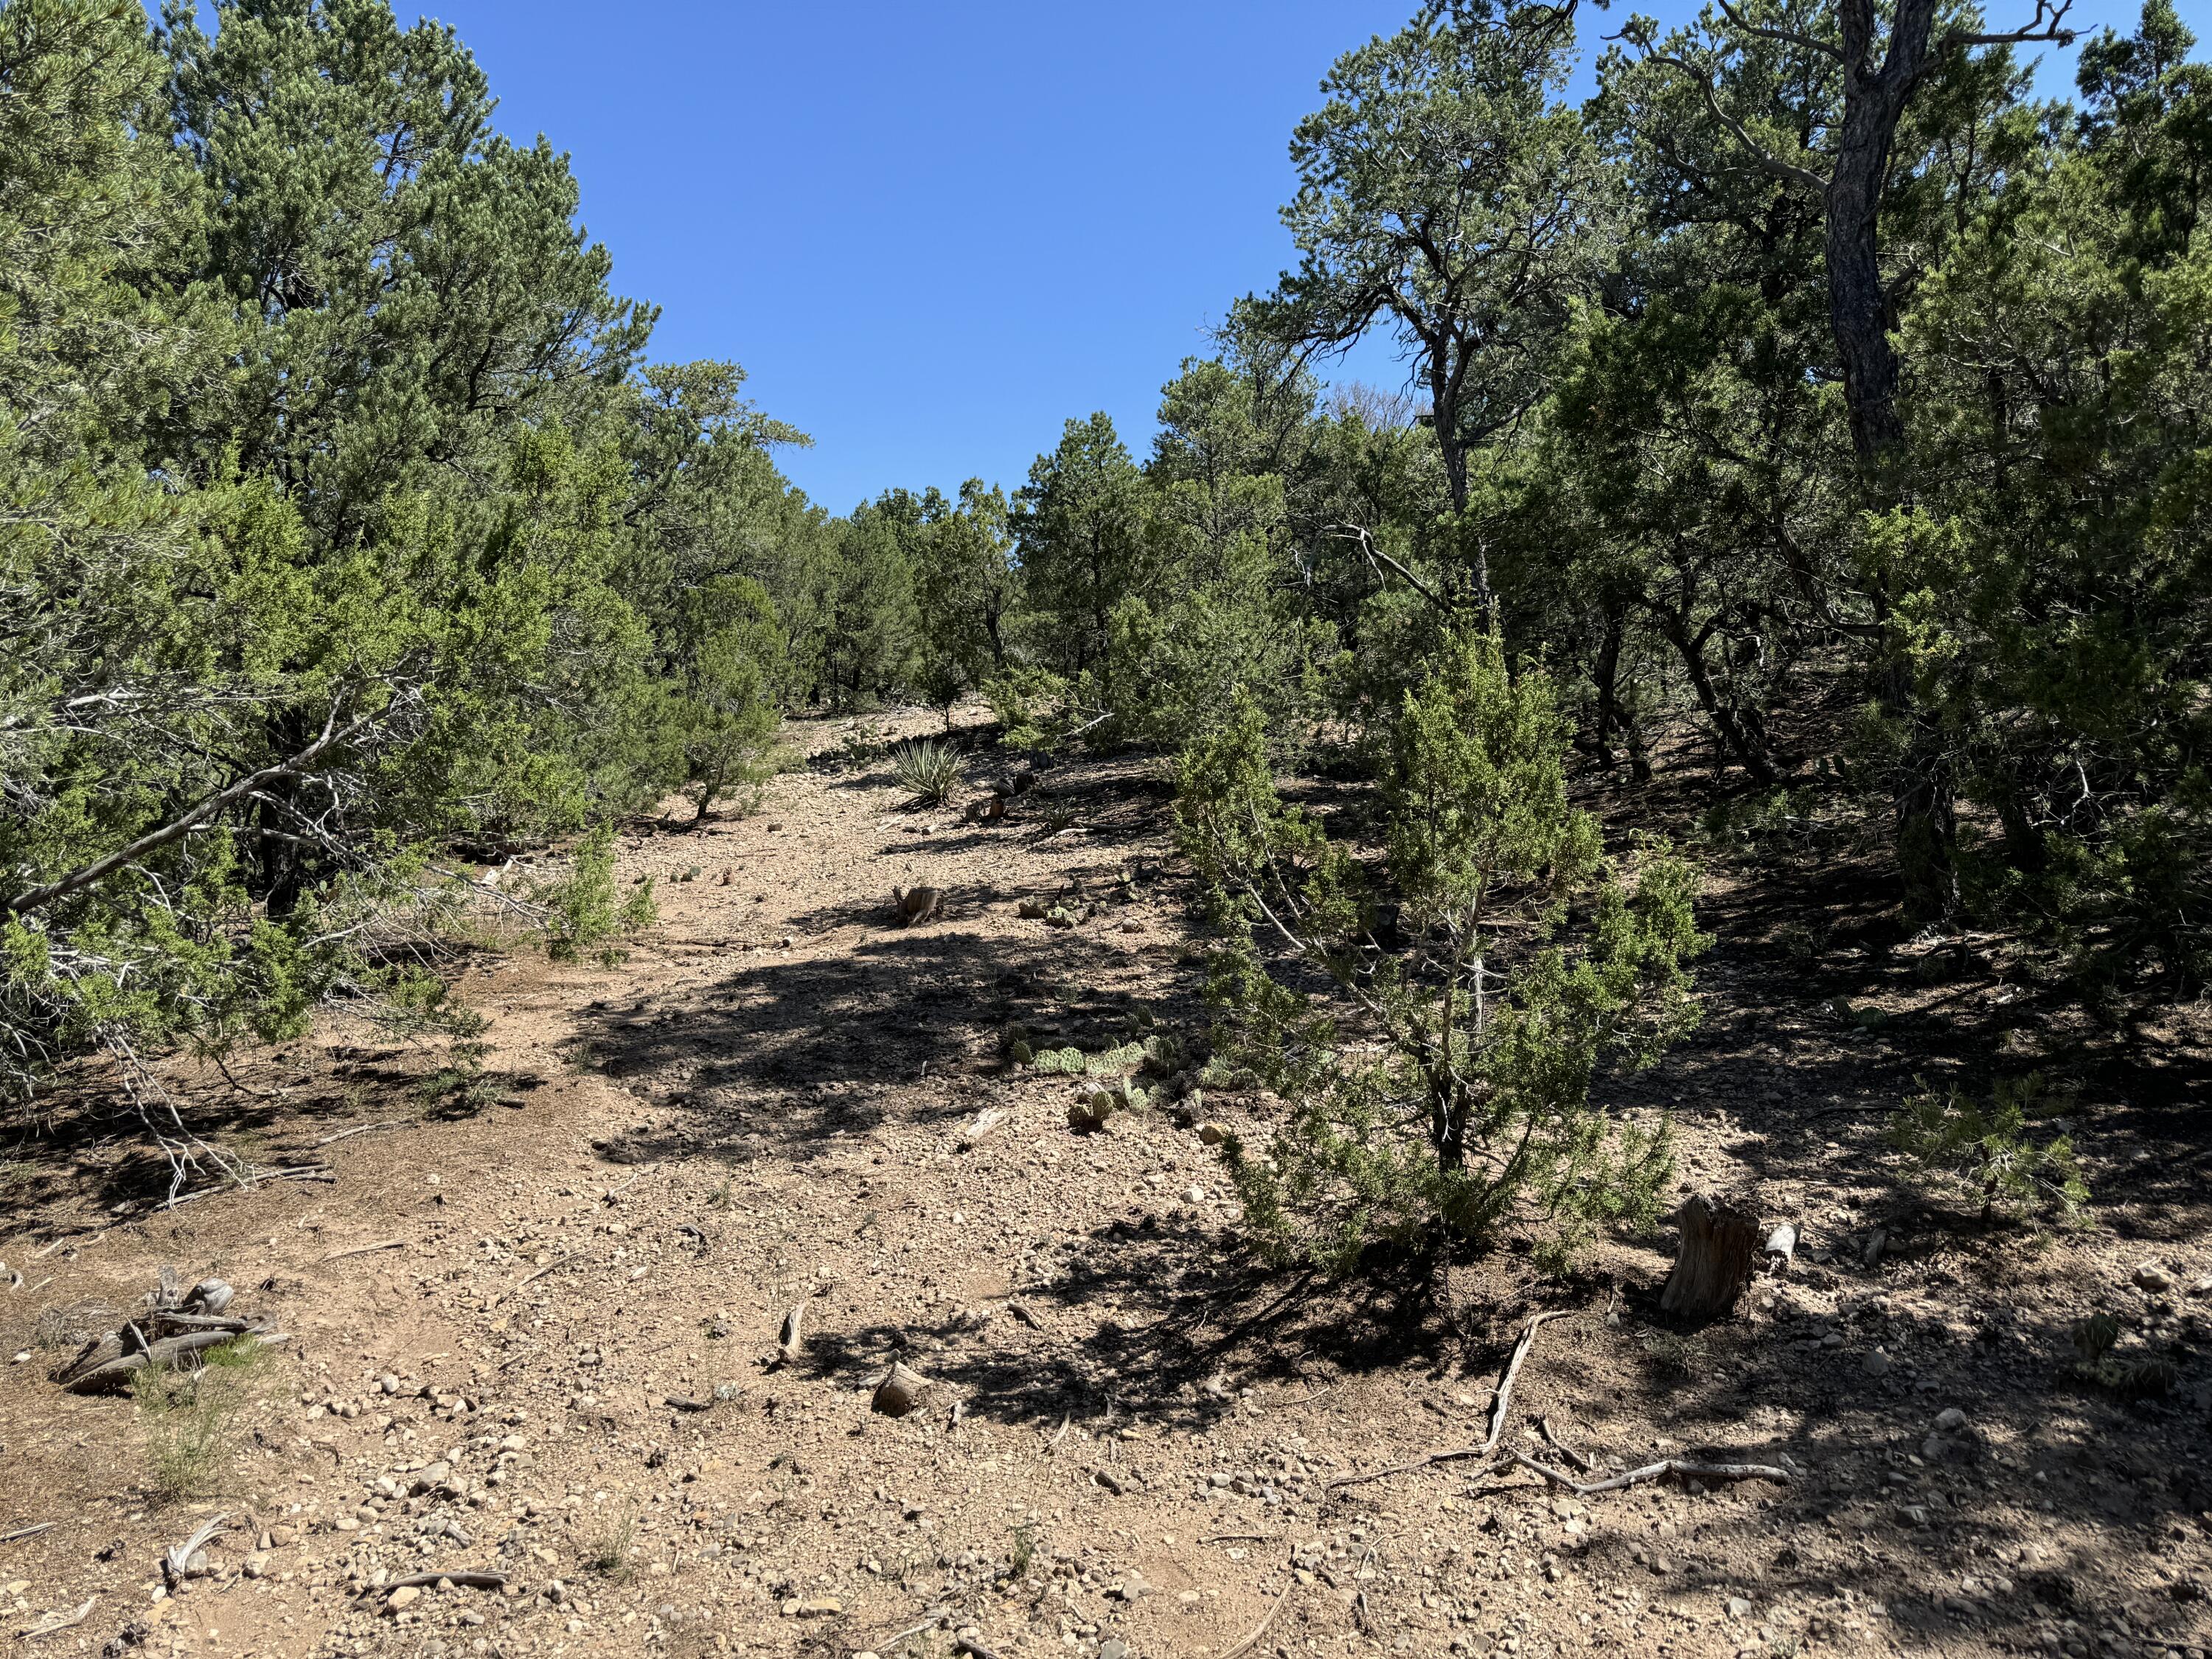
(583, 911)
(1956, 1141)
(1444, 1090)
(928, 771)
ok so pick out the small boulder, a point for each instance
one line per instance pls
(2152, 1277)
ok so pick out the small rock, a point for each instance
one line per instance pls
(1876, 1363)
(1877, 1246)
(1214, 1134)
(1196, 1195)
(255, 1565)
(1738, 1608)
(1132, 1587)
(2152, 1277)
(405, 1597)
(1114, 1648)
(1950, 1419)
(1913, 1515)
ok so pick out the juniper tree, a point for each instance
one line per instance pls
(1484, 973)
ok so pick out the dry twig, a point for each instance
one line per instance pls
(1678, 1466)
(1498, 1410)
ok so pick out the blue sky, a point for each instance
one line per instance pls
(932, 233)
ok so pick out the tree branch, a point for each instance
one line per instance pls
(178, 827)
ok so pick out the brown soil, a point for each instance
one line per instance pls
(1133, 1429)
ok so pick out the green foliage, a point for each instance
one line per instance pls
(586, 911)
(193, 1422)
(2137, 1376)
(1985, 1148)
(1457, 1100)
(929, 772)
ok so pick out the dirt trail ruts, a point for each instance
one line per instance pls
(566, 1372)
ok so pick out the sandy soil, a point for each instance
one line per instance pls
(539, 1337)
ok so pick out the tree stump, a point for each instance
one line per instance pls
(1713, 1261)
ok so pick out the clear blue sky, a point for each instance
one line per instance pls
(932, 233)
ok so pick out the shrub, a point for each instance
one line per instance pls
(192, 1421)
(1957, 1141)
(1460, 1098)
(928, 771)
(583, 908)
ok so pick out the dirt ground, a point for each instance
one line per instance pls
(536, 1335)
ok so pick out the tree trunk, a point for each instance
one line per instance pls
(1713, 1259)
(1735, 735)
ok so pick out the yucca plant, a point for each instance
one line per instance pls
(928, 770)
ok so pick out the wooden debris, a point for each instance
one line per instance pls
(985, 1124)
(1676, 1466)
(61, 1620)
(31, 1531)
(364, 1250)
(461, 1578)
(366, 1129)
(787, 1343)
(1259, 1632)
(1713, 1258)
(1561, 1446)
(1498, 1408)
(900, 1391)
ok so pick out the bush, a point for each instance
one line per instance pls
(928, 771)
(193, 1420)
(583, 908)
(1460, 1099)
(1955, 1140)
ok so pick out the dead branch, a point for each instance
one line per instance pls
(1498, 1410)
(363, 1129)
(1676, 1466)
(1258, 1631)
(465, 1578)
(61, 1620)
(364, 1250)
(1562, 1447)
(32, 1531)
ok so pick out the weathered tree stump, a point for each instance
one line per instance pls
(1713, 1261)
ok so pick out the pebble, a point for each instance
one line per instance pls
(1876, 1363)
(1738, 1608)
(2152, 1277)
(1114, 1648)
(405, 1597)
(1950, 1419)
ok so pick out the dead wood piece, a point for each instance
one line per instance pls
(1676, 1466)
(1498, 1410)
(973, 1649)
(985, 1124)
(787, 1343)
(1713, 1259)
(683, 1403)
(31, 1531)
(1782, 1245)
(363, 1129)
(1108, 1479)
(1259, 1631)
(177, 1559)
(900, 1391)
(1562, 1447)
(48, 1626)
(462, 1577)
(915, 905)
(115, 1374)
(366, 1249)
(1240, 1537)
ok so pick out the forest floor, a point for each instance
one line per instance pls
(1129, 1449)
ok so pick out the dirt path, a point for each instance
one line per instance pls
(561, 1366)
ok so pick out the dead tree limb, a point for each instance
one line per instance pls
(1499, 1407)
(1676, 1466)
